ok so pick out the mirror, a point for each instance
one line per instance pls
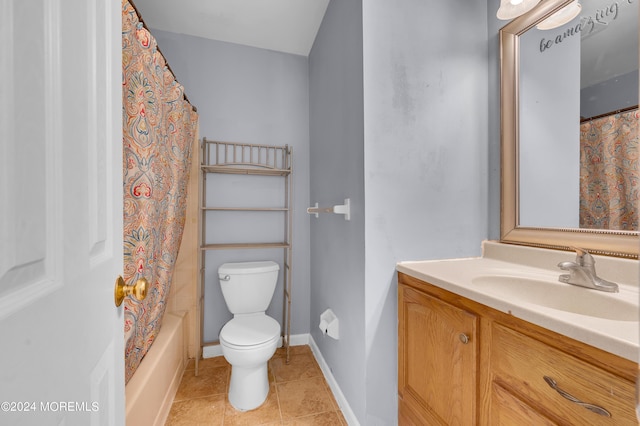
(541, 170)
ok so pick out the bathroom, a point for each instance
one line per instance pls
(379, 131)
(401, 114)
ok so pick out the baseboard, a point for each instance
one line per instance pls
(213, 351)
(299, 340)
(348, 414)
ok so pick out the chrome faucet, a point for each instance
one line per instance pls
(582, 273)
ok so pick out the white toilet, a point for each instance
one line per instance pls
(250, 339)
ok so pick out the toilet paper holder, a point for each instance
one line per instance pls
(329, 324)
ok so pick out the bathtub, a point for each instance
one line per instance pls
(150, 392)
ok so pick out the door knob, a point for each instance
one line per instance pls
(138, 290)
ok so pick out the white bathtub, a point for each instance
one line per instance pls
(150, 392)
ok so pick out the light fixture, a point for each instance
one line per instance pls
(561, 17)
(510, 9)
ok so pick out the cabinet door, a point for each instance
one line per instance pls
(436, 360)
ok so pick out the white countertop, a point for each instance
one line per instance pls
(615, 336)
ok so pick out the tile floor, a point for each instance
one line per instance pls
(299, 395)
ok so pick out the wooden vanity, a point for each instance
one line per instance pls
(461, 362)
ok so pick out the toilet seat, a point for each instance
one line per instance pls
(249, 332)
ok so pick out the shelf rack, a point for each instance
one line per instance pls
(248, 159)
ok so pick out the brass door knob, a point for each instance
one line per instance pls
(138, 290)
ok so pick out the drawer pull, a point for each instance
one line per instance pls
(595, 408)
(463, 338)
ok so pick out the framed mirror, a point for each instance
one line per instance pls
(547, 199)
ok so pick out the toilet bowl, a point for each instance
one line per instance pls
(250, 339)
(247, 344)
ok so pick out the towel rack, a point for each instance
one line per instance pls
(344, 209)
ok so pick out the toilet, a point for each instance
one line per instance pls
(250, 339)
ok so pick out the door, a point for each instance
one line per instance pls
(437, 356)
(61, 336)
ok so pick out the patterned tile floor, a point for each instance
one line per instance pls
(299, 395)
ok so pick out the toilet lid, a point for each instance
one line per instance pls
(250, 330)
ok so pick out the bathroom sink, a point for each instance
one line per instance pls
(559, 296)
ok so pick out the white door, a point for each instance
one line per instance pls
(61, 336)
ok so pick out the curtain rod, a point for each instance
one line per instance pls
(144, 24)
(606, 114)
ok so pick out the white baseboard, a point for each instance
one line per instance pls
(213, 351)
(348, 414)
(299, 340)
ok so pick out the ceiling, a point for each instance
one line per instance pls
(291, 26)
(288, 26)
(609, 46)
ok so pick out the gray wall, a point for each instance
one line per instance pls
(426, 137)
(245, 94)
(493, 119)
(337, 172)
(422, 167)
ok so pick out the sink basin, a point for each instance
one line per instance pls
(559, 296)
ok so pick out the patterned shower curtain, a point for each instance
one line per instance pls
(159, 126)
(609, 172)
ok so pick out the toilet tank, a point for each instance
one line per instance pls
(248, 287)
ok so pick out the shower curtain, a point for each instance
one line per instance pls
(158, 130)
(609, 172)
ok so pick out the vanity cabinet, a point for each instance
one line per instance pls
(463, 363)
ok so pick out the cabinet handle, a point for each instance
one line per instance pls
(595, 408)
(463, 338)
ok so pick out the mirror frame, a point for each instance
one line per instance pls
(597, 241)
